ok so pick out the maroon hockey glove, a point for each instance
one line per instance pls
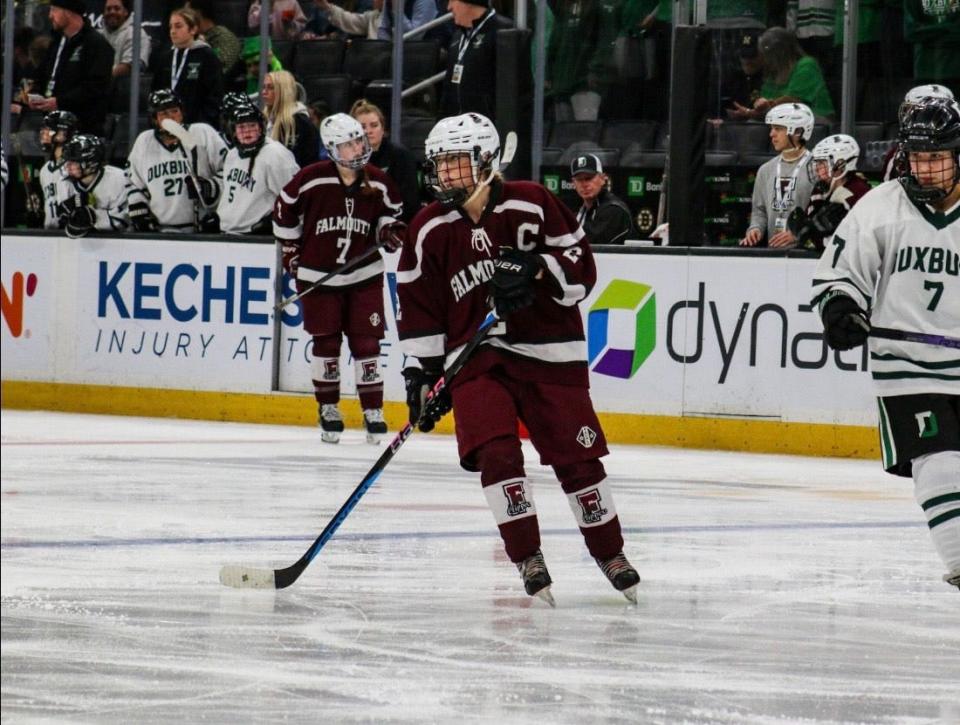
(845, 325)
(514, 275)
(291, 258)
(392, 236)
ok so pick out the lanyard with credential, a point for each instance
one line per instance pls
(52, 83)
(780, 190)
(466, 39)
(175, 76)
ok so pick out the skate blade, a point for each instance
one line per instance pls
(631, 593)
(374, 439)
(546, 596)
(327, 437)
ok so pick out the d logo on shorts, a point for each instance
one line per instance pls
(516, 498)
(591, 506)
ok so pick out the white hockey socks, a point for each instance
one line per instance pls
(936, 479)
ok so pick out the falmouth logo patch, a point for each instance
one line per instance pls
(591, 506)
(586, 437)
(516, 498)
(375, 319)
(481, 242)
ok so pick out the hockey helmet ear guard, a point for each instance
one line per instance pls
(472, 136)
(931, 125)
(340, 129)
(88, 151)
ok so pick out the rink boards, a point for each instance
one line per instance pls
(700, 349)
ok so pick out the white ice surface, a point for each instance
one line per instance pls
(776, 589)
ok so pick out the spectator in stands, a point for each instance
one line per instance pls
(790, 76)
(365, 24)
(727, 20)
(837, 186)
(782, 183)
(75, 75)
(813, 22)
(568, 53)
(618, 62)
(286, 19)
(604, 217)
(251, 60)
(288, 120)
(118, 30)
(415, 14)
(470, 83)
(742, 89)
(192, 70)
(396, 160)
(221, 39)
(913, 97)
(934, 30)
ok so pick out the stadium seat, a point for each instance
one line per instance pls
(867, 132)
(621, 134)
(414, 132)
(551, 156)
(365, 60)
(721, 158)
(640, 158)
(318, 57)
(232, 14)
(742, 138)
(820, 132)
(565, 133)
(284, 51)
(421, 59)
(334, 89)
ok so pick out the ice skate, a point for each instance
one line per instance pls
(622, 575)
(374, 424)
(953, 578)
(331, 423)
(536, 578)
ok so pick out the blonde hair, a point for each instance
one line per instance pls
(363, 106)
(283, 109)
(189, 17)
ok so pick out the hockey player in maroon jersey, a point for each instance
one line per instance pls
(515, 245)
(330, 213)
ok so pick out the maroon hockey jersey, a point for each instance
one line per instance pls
(447, 263)
(330, 223)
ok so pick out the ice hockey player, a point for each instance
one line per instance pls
(254, 172)
(894, 262)
(230, 101)
(515, 244)
(329, 214)
(56, 129)
(170, 189)
(837, 186)
(95, 194)
(913, 96)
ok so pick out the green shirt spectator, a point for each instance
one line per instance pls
(251, 58)
(934, 29)
(805, 84)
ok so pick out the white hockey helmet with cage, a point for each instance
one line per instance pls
(795, 117)
(340, 129)
(918, 93)
(472, 134)
(839, 151)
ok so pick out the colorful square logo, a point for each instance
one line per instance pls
(622, 362)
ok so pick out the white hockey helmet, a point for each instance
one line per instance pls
(472, 134)
(340, 129)
(795, 117)
(918, 93)
(839, 151)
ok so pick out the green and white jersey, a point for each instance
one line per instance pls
(250, 187)
(156, 174)
(106, 194)
(900, 261)
(52, 183)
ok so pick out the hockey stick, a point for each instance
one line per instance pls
(345, 267)
(891, 334)
(188, 145)
(244, 577)
(509, 150)
(32, 202)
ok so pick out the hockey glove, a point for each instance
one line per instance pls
(142, 218)
(264, 226)
(845, 324)
(80, 222)
(291, 258)
(514, 274)
(65, 209)
(828, 217)
(206, 194)
(392, 236)
(424, 412)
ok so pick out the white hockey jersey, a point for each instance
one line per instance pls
(901, 262)
(52, 183)
(249, 187)
(156, 175)
(107, 194)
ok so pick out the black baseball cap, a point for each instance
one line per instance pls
(748, 46)
(586, 164)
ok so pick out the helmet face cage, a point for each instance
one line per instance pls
(340, 129)
(931, 125)
(87, 151)
(57, 122)
(231, 101)
(247, 113)
(836, 154)
(795, 117)
(454, 142)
